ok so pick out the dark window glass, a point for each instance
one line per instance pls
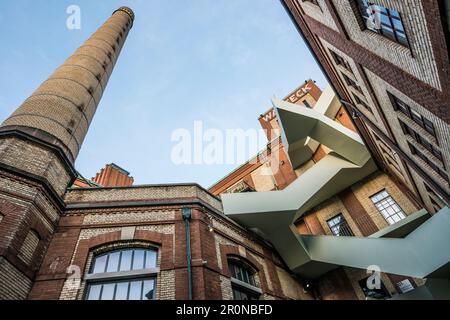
(384, 21)
(340, 61)
(360, 102)
(240, 294)
(428, 125)
(412, 114)
(427, 160)
(311, 1)
(306, 103)
(374, 293)
(339, 226)
(241, 272)
(351, 83)
(244, 273)
(425, 143)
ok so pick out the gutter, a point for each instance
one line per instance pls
(187, 215)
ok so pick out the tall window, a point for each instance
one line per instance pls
(351, 83)
(435, 200)
(128, 274)
(430, 163)
(399, 105)
(387, 206)
(427, 145)
(306, 104)
(312, 1)
(339, 226)
(243, 281)
(362, 103)
(340, 61)
(384, 21)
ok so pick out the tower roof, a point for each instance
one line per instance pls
(127, 10)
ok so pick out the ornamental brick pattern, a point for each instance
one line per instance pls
(85, 231)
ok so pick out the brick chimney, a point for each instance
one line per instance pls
(113, 176)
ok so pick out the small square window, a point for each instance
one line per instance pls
(339, 226)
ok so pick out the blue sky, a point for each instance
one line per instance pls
(218, 61)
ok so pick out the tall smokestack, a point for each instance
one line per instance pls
(61, 109)
(39, 143)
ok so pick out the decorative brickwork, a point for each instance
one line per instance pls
(15, 285)
(29, 246)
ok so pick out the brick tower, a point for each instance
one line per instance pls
(39, 143)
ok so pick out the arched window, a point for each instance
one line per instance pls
(126, 274)
(243, 280)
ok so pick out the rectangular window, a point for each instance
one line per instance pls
(436, 201)
(421, 140)
(122, 290)
(427, 160)
(241, 294)
(412, 114)
(384, 21)
(362, 103)
(380, 293)
(387, 206)
(340, 61)
(351, 83)
(339, 226)
(306, 103)
(311, 1)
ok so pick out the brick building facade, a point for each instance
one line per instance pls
(65, 237)
(360, 215)
(53, 238)
(388, 62)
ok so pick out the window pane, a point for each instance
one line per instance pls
(138, 260)
(94, 292)
(150, 259)
(125, 263)
(113, 262)
(135, 290)
(387, 206)
(108, 291)
(236, 295)
(121, 291)
(99, 264)
(149, 286)
(398, 24)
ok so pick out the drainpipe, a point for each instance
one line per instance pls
(187, 215)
